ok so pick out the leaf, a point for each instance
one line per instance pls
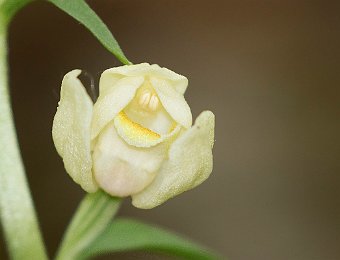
(92, 217)
(127, 234)
(80, 11)
(9, 7)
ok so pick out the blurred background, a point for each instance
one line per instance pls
(269, 70)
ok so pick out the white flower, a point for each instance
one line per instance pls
(137, 139)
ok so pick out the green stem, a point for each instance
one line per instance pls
(17, 212)
(91, 218)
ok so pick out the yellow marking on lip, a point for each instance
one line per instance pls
(133, 130)
(138, 135)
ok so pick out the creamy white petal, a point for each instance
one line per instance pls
(110, 76)
(71, 130)
(112, 101)
(121, 169)
(189, 164)
(173, 102)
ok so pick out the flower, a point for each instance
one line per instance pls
(137, 139)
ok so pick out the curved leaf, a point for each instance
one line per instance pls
(80, 11)
(92, 217)
(9, 7)
(127, 234)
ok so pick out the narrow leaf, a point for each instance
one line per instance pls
(92, 216)
(80, 11)
(8, 8)
(126, 235)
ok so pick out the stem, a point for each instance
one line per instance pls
(17, 212)
(91, 218)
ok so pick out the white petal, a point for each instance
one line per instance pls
(189, 164)
(110, 76)
(71, 130)
(112, 101)
(121, 169)
(178, 82)
(173, 102)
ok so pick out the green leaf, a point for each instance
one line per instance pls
(80, 11)
(9, 7)
(126, 235)
(92, 216)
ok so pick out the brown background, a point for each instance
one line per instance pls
(270, 72)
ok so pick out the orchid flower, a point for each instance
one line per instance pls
(137, 139)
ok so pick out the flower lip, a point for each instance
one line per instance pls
(137, 135)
